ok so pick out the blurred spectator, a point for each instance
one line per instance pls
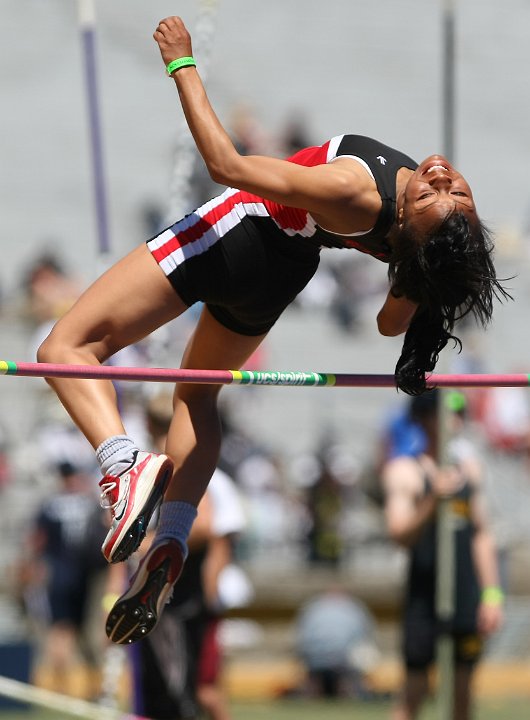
(413, 484)
(273, 512)
(58, 573)
(247, 133)
(320, 293)
(356, 283)
(402, 435)
(295, 135)
(177, 668)
(50, 290)
(237, 445)
(325, 500)
(335, 641)
(153, 219)
(501, 416)
(274, 515)
(504, 415)
(226, 586)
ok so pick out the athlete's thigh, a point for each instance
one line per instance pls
(130, 300)
(213, 346)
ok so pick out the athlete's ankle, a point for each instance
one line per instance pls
(116, 454)
(175, 521)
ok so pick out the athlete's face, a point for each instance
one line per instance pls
(434, 191)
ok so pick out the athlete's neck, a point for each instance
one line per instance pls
(402, 177)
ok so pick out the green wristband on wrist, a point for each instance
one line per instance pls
(492, 595)
(180, 63)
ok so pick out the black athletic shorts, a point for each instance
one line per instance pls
(420, 635)
(243, 267)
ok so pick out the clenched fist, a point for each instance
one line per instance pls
(173, 39)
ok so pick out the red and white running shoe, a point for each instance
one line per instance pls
(136, 613)
(132, 497)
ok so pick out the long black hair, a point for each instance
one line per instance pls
(450, 274)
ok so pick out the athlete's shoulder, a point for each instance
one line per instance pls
(402, 474)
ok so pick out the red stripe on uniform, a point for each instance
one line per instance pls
(196, 231)
(183, 238)
(288, 218)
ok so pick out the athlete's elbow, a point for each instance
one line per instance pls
(218, 173)
(388, 329)
(388, 332)
(225, 169)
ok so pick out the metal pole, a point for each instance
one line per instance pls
(445, 578)
(449, 73)
(445, 560)
(87, 24)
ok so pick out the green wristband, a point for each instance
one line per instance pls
(180, 63)
(492, 595)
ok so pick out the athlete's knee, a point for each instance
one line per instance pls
(50, 349)
(59, 347)
(68, 343)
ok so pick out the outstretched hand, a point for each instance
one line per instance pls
(173, 39)
(490, 618)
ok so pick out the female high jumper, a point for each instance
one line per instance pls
(246, 254)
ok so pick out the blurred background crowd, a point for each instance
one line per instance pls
(312, 544)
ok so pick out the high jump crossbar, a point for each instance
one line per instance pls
(249, 377)
(75, 707)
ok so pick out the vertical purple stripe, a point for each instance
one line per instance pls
(88, 37)
(138, 701)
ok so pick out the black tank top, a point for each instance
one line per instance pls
(384, 163)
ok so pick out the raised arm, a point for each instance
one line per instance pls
(324, 189)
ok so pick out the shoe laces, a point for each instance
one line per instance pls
(109, 497)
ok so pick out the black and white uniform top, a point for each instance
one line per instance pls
(247, 257)
(382, 164)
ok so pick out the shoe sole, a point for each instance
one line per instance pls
(134, 617)
(132, 535)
